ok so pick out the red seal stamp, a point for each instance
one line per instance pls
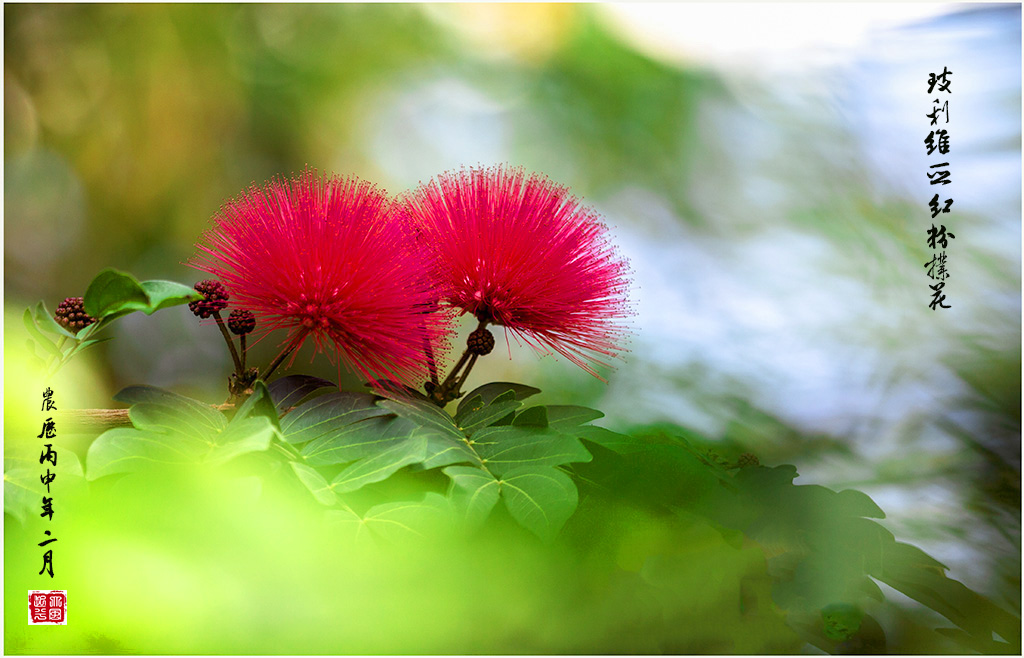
(47, 607)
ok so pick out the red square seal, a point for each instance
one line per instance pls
(47, 607)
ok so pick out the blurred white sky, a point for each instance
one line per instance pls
(756, 35)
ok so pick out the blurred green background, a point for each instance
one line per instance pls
(762, 168)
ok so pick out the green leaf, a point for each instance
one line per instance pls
(620, 443)
(841, 620)
(868, 586)
(532, 417)
(473, 493)
(507, 448)
(467, 406)
(507, 396)
(905, 556)
(444, 449)
(759, 480)
(46, 322)
(857, 503)
(86, 344)
(541, 499)
(358, 440)
(44, 341)
(259, 404)
(124, 449)
(381, 465)
(152, 416)
(326, 415)
(967, 609)
(487, 415)
(114, 292)
(488, 393)
(395, 522)
(289, 391)
(243, 435)
(399, 521)
(164, 294)
(173, 429)
(22, 493)
(422, 413)
(30, 345)
(210, 417)
(316, 483)
(565, 417)
(504, 422)
(23, 490)
(982, 645)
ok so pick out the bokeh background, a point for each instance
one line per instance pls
(762, 167)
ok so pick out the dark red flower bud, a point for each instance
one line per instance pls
(71, 314)
(480, 342)
(216, 298)
(241, 322)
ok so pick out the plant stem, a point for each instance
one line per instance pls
(239, 369)
(431, 364)
(60, 348)
(455, 371)
(241, 340)
(97, 421)
(281, 357)
(452, 385)
(465, 373)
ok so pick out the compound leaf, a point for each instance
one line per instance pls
(381, 465)
(289, 391)
(321, 417)
(507, 448)
(316, 483)
(541, 499)
(489, 392)
(473, 493)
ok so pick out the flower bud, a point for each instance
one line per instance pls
(216, 298)
(71, 314)
(241, 322)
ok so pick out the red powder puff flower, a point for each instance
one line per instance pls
(522, 252)
(324, 259)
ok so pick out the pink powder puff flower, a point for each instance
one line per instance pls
(520, 251)
(325, 259)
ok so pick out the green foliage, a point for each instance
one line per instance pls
(286, 392)
(323, 418)
(111, 295)
(316, 483)
(23, 488)
(484, 415)
(171, 429)
(540, 498)
(394, 522)
(821, 549)
(503, 449)
(373, 437)
(113, 292)
(381, 465)
(841, 620)
(488, 394)
(803, 551)
(474, 493)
